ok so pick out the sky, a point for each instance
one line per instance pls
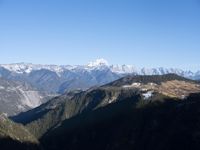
(144, 33)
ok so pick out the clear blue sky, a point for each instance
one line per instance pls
(148, 33)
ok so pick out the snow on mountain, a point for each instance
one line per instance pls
(59, 78)
(98, 62)
(26, 68)
(123, 69)
(29, 67)
(18, 67)
(147, 95)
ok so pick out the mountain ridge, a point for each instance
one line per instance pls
(52, 113)
(165, 124)
(99, 64)
(63, 78)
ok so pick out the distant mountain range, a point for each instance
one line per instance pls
(54, 78)
(24, 86)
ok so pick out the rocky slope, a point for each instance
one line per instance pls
(16, 97)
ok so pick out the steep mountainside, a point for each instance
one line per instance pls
(16, 97)
(15, 136)
(50, 115)
(157, 124)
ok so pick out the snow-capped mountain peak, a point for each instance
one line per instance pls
(123, 69)
(98, 62)
(29, 67)
(19, 67)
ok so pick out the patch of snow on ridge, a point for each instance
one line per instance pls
(147, 95)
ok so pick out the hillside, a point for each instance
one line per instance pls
(170, 85)
(159, 124)
(15, 136)
(157, 79)
(51, 114)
